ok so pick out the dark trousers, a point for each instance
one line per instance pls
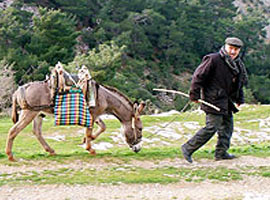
(222, 124)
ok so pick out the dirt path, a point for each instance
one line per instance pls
(250, 188)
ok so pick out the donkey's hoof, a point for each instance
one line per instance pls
(92, 152)
(11, 158)
(52, 154)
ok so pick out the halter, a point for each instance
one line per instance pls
(133, 126)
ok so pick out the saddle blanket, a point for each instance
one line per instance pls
(71, 109)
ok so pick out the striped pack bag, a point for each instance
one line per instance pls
(71, 109)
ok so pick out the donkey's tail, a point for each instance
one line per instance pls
(14, 114)
(18, 100)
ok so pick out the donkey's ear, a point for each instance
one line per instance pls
(135, 105)
(138, 108)
(141, 107)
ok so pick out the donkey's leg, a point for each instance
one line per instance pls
(26, 117)
(88, 134)
(101, 128)
(37, 126)
(88, 140)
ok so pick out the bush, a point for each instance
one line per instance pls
(249, 97)
(7, 86)
(260, 86)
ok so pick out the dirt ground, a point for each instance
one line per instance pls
(247, 189)
(250, 188)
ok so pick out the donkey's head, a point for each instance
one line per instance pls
(133, 130)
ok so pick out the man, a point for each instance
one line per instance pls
(219, 80)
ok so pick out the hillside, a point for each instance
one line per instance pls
(263, 5)
(134, 46)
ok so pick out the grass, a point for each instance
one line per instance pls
(27, 149)
(126, 155)
(130, 175)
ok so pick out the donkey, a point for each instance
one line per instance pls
(34, 99)
(111, 101)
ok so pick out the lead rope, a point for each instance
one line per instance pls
(173, 119)
(134, 128)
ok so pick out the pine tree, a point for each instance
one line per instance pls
(54, 36)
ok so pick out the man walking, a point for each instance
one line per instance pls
(219, 80)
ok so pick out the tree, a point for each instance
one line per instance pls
(54, 36)
(164, 40)
(102, 62)
(14, 29)
(15, 34)
(85, 10)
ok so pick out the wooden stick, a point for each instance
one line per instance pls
(186, 95)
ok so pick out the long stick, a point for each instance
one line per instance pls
(186, 95)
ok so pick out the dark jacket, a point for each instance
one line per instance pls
(214, 82)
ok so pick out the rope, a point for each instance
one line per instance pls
(172, 120)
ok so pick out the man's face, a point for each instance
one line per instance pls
(232, 51)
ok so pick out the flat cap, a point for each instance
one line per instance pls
(234, 42)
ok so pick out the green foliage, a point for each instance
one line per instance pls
(176, 36)
(249, 97)
(15, 33)
(54, 36)
(102, 62)
(35, 45)
(133, 45)
(85, 10)
(260, 86)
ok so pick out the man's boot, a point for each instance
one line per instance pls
(186, 154)
(225, 156)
